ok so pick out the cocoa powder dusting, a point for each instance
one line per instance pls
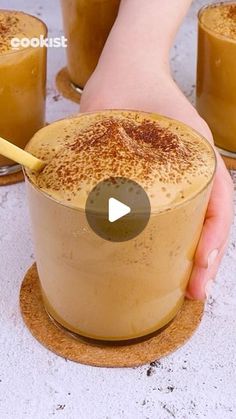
(232, 12)
(143, 151)
(8, 25)
(231, 15)
(225, 19)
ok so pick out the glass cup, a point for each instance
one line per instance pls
(113, 291)
(216, 77)
(87, 24)
(22, 91)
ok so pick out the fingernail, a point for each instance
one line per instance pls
(208, 287)
(188, 296)
(212, 257)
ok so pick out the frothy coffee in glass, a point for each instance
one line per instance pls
(216, 73)
(22, 81)
(103, 289)
(87, 24)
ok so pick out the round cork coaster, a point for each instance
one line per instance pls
(229, 162)
(11, 179)
(100, 354)
(65, 86)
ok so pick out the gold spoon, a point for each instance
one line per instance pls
(20, 156)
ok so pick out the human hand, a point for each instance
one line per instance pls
(163, 96)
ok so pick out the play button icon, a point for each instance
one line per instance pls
(117, 209)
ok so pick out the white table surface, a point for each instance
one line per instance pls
(197, 381)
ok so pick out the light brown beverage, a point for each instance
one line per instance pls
(22, 81)
(102, 289)
(87, 24)
(216, 74)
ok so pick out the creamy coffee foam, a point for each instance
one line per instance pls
(14, 24)
(168, 159)
(221, 18)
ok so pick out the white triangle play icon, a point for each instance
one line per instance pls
(117, 210)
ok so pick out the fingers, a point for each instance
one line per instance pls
(218, 220)
(202, 279)
(214, 237)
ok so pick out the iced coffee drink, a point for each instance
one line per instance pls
(87, 24)
(22, 82)
(99, 288)
(216, 76)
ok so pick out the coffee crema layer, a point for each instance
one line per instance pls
(221, 18)
(168, 159)
(14, 24)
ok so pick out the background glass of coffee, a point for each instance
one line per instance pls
(216, 73)
(22, 82)
(87, 24)
(100, 288)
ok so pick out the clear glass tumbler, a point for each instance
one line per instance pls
(87, 24)
(114, 290)
(216, 73)
(22, 85)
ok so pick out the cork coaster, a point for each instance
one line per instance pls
(65, 87)
(100, 354)
(229, 162)
(11, 179)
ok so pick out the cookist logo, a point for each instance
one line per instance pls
(55, 42)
